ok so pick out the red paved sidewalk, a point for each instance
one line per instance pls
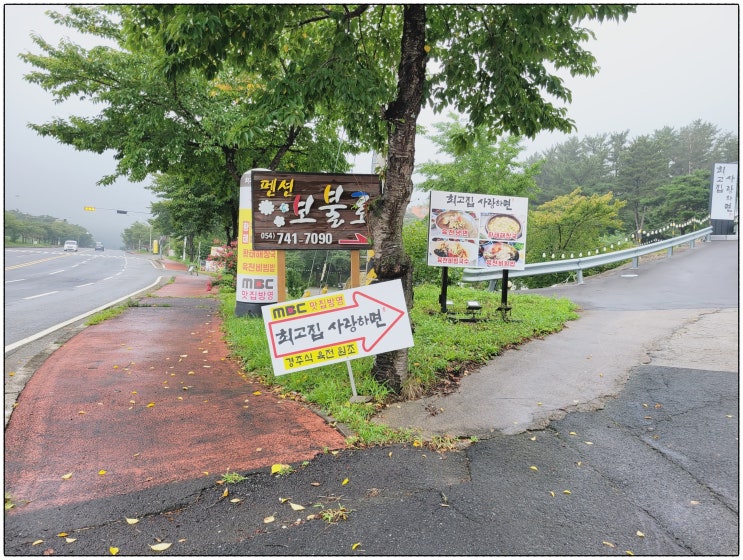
(145, 399)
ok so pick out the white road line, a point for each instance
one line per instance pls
(42, 295)
(11, 281)
(56, 272)
(83, 285)
(50, 330)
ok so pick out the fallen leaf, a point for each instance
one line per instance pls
(640, 534)
(566, 492)
(132, 520)
(534, 468)
(314, 484)
(278, 467)
(552, 493)
(113, 550)
(69, 540)
(629, 553)
(269, 519)
(62, 534)
(345, 481)
(256, 393)
(67, 476)
(35, 543)
(694, 503)
(235, 500)
(588, 442)
(226, 492)
(151, 405)
(573, 434)
(102, 472)
(296, 507)
(607, 543)
(355, 546)
(284, 500)
(533, 438)
(159, 547)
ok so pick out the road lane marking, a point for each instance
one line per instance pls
(56, 272)
(11, 281)
(83, 285)
(21, 265)
(38, 335)
(41, 295)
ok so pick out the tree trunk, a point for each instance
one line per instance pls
(386, 214)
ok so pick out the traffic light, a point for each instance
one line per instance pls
(89, 208)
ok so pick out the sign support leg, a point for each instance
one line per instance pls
(504, 308)
(355, 398)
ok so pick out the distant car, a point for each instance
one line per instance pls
(98, 246)
(70, 245)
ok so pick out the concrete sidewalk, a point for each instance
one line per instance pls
(577, 369)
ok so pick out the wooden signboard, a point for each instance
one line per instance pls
(294, 211)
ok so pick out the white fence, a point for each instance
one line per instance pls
(584, 263)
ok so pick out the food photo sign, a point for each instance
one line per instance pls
(477, 230)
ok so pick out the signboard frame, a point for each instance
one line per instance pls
(336, 327)
(303, 211)
(468, 230)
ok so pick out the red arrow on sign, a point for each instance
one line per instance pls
(363, 306)
(360, 240)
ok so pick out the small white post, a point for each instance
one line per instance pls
(355, 398)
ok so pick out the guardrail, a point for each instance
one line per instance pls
(584, 263)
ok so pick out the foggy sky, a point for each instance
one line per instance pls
(667, 65)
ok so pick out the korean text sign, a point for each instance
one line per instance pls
(311, 210)
(257, 270)
(477, 230)
(338, 326)
(724, 191)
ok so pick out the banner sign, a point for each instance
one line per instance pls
(311, 211)
(257, 271)
(477, 230)
(338, 326)
(724, 191)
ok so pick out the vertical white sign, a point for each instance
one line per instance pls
(724, 191)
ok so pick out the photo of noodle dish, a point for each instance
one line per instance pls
(453, 251)
(455, 223)
(496, 253)
(501, 226)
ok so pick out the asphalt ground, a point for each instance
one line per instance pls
(649, 467)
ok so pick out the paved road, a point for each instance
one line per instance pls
(650, 471)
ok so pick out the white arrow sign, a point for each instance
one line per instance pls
(338, 326)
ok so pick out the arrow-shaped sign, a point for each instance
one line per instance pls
(337, 326)
(359, 240)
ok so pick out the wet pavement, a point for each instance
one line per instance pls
(149, 398)
(637, 453)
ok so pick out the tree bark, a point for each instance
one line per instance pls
(386, 214)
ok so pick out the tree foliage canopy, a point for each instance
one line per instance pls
(361, 66)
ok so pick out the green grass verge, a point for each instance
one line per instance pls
(110, 313)
(442, 350)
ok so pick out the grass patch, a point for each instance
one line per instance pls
(232, 477)
(442, 352)
(110, 313)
